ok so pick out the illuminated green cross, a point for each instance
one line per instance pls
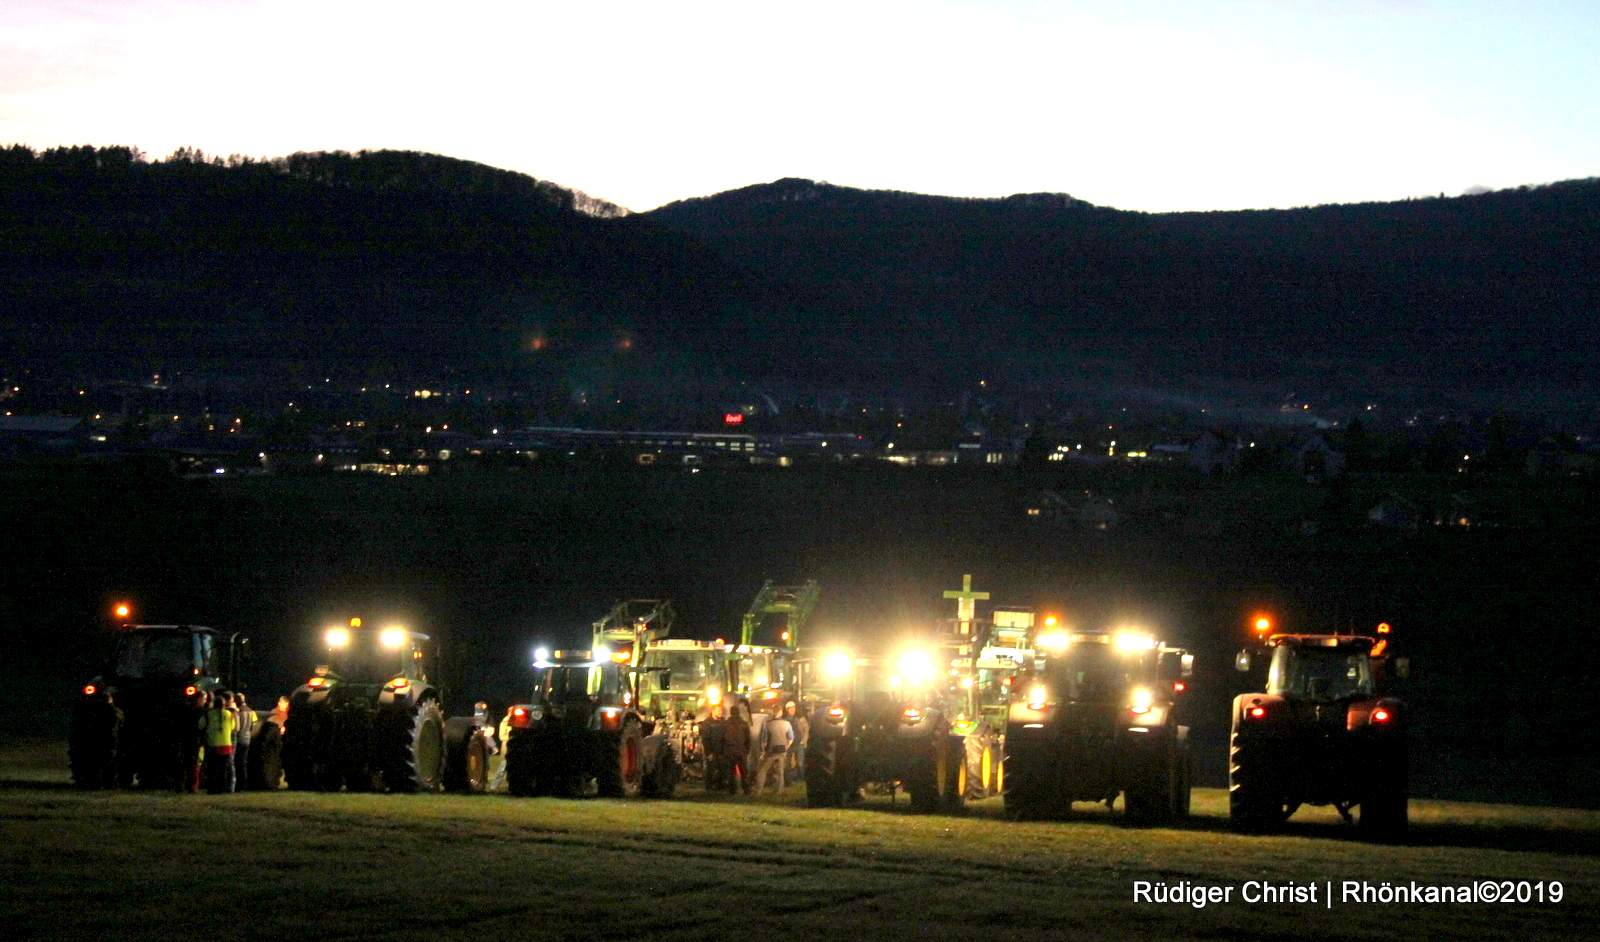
(966, 602)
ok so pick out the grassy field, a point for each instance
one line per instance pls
(135, 866)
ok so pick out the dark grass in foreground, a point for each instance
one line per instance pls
(76, 865)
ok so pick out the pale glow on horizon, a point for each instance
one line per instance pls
(1152, 105)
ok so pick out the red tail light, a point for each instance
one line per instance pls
(610, 718)
(1179, 686)
(1256, 712)
(519, 717)
(836, 713)
(317, 683)
(89, 690)
(1381, 715)
(190, 690)
(911, 715)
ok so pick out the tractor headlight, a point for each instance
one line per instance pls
(1054, 641)
(1037, 697)
(393, 637)
(713, 695)
(916, 667)
(837, 665)
(1129, 641)
(337, 637)
(1141, 700)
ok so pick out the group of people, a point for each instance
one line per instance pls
(780, 752)
(219, 751)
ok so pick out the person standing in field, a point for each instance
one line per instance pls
(193, 745)
(736, 747)
(802, 736)
(246, 719)
(776, 738)
(219, 726)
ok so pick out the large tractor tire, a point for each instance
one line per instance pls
(1184, 786)
(662, 769)
(620, 768)
(524, 777)
(926, 780)
(264, 769)
(357, 749)
(1385, 809)
(1255, 802)
(307, 749)
(1032, 786)
(950, 776)
(824, 785)
(412, 743)
(92, 746)
(1151, 793)
(466, 766)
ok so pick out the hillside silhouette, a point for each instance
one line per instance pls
(413, 258)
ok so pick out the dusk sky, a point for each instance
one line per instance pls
(1140, 105)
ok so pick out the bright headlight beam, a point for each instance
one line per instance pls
(1129, 640)
(916, 667)
(337, 637)
(837, 665)
(393, 637)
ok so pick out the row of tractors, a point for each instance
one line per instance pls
(1010, 705)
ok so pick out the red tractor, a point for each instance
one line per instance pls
(1322, 733)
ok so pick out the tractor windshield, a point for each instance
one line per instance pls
(1094, 672)
(681, 670)
(1319, 673)
(561, 684)
(155, 654)
(365, 661)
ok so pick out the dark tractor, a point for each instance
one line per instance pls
(582, 733)
(1321, 734)
(132, 724)
(371, 720)
(883, 725)
(1102, 714)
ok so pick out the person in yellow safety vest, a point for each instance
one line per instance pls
(219, 725)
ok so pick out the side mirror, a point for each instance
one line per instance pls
(1402, 667)
(1242, 661)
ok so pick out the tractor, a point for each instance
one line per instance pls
(1322, 733)
(370, 719)
(132, 723)
(883, 724)
(582, 733)
(1101, 714)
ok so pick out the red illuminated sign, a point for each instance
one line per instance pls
(733, 418)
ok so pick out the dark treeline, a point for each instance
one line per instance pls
(1485, 300)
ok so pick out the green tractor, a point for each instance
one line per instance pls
(1322, 733)
(1102, 714)
(885, 725)
(582, 732)
(131, 724)
(370, 719)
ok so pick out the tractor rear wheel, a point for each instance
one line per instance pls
(982, 750)
(1254, 802)
(822, 779)
(92, 747)
(307, 747)
(1385, 811)
(621, 763)
(662, 778)
(411, 744)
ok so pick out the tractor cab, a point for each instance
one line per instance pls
(173, 663)
(581, 689)
(680, 676)
(361, 662)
